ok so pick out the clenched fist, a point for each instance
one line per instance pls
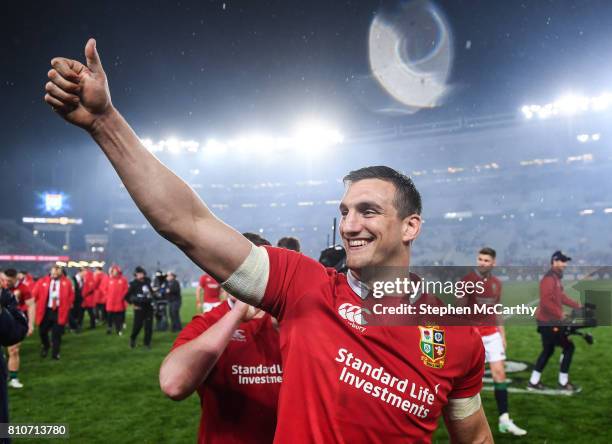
(79, 93)
(248, 312)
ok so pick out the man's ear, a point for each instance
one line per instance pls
(411, 227)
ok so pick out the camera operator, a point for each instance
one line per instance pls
(160, 301)
(550, 325)
(13, 329)
(173, 295)
(140, 294)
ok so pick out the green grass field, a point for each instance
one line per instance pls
(108, 393)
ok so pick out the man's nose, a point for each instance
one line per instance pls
(351, 223)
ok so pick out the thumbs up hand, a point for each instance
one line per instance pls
(78, 92)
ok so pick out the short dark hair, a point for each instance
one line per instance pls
(10, 272)
(407, 198)
(290, 243)
(488, 251)
(256, 239)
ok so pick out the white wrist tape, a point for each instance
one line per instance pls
(248, 283)
(461, 408)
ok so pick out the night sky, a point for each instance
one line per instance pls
(200, 69)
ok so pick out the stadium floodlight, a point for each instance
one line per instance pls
(255, 143)
(608, 210)
(582, 138)
(172, 145)
(316, 136)
(568, 105)
(586, 212)
(458, 215)
(307, 137)
(214, 148)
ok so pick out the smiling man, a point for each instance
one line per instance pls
(343, 381)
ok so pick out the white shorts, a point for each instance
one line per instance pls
(207, 306)
(494, 347)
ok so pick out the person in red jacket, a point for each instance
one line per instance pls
(116, 305)
(54, 296)
(25, 303)
(550, 319)
(100, 282)
(89, 297)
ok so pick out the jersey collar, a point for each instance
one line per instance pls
(358, 287)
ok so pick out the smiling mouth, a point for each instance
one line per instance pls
(357, 244)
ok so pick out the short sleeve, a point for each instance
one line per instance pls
(470, 383)
(291, 276)
(199, 324)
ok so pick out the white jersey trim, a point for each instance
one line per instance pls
(358, 287)
(248, 283)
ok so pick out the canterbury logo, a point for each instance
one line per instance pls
(353, 313)
(239, 336)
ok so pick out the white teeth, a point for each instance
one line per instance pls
(357, 243)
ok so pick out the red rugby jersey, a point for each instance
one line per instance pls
(490, 296)
(211, 287)
(347, 382)
(240, 395)
(25, 293)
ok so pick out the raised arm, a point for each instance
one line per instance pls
(187, 366)
(80, 94)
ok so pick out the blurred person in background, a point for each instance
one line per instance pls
(100, 283)
(25, 303)
(140, 295)
(173, 295)
(289, 242)
(54, 297)
(115, 300)
(550, 318)
(208, 293)
(89, 297)
(76, 312)
(492, 333)
(160, 301)
(26, 279)
(13, 329)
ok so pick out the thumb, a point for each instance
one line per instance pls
(92, 57)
